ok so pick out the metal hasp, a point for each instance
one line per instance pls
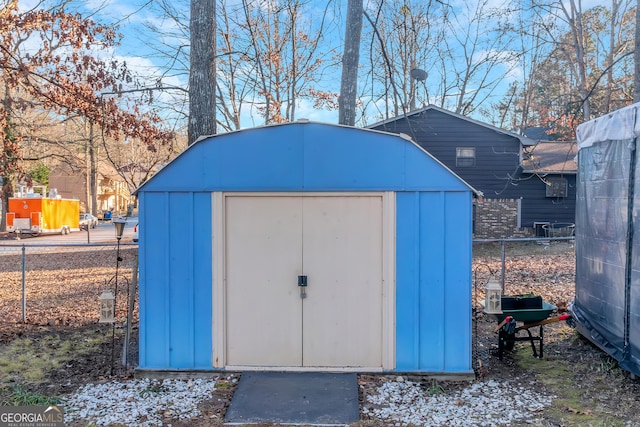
(302, 283)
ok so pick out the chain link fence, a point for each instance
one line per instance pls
(542, 267)
(60, 284)
(53, 285)
(44, 284)
(523, 265)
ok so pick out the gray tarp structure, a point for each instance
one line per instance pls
(607, 303)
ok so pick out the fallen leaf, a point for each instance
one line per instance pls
(578, 411)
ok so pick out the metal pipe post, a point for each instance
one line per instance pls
(502, 257)
(24, 284)
(115, 310)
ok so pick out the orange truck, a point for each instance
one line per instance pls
(43, 215)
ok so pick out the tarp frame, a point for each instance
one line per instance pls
(607, 303)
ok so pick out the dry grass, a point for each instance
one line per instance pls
(62, 284)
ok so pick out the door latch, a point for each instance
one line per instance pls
(302, 283)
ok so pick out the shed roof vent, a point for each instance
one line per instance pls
(405, 136)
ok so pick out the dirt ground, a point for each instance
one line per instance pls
(46, 357)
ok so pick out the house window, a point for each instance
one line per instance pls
(557, 186)
(465, 156)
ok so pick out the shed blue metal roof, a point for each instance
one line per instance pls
(305, 156)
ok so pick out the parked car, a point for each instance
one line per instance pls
(135, 232)
(87, 220)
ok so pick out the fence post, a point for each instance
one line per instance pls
(24, 285)
(502, 257)
(132, 299)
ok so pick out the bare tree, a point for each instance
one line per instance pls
(475, 54)
(574, 19)
(135, 163)
(62, 77)
(636, 57)
(610, 57)
(284, 53)
(270, 56)
(576, 43)
(585, 66)
(402, 43)
(517, 109)
(231, 86)
(202, 75)
(463, 55)
(350, 62)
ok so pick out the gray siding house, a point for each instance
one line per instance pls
(527, 185)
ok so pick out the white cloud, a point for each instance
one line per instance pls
(250, 117)
(306, 110)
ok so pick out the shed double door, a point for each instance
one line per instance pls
(336, 242)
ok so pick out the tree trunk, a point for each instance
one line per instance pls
(93, 171)
(636, 57)
(202, 79)
(350, 61)
(575, 19)
(6, 192)
(6, 182)
(615, 6)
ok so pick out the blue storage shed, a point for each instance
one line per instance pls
(305, 246)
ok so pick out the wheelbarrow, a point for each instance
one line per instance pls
(531, 312)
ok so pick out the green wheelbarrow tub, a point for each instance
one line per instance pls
(530, 315)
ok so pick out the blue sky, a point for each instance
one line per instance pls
(132, 17)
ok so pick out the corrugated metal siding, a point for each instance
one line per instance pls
(433, 271)
(458, 255)
(433, 290)
(175, 280)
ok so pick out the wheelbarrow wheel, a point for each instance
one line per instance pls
(508, 340)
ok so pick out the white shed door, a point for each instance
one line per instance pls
(336, 242)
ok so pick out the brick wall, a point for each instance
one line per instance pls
(497, 218)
